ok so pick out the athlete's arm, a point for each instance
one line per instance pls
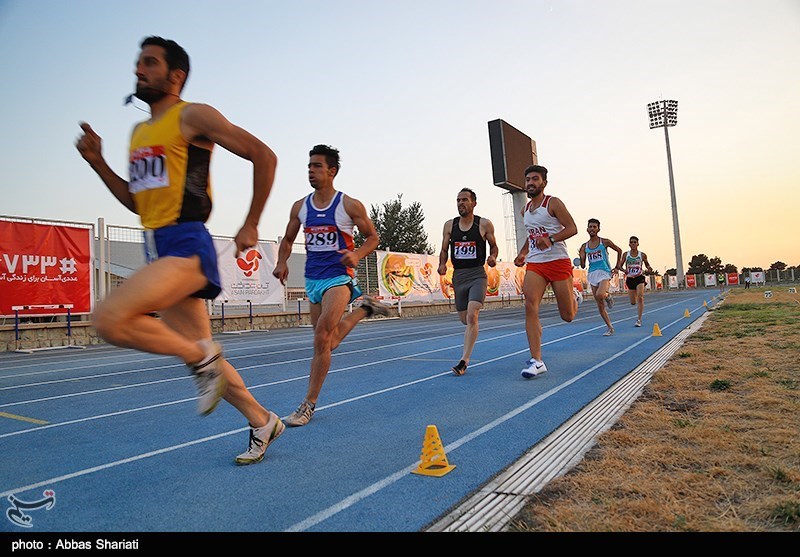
(90, 146)
(616, 248)
(582, 255)
(445, 252)
(365, 226)
(646, 262)
(488, 233)
(201, 124)
(559, 211)
(281, 271)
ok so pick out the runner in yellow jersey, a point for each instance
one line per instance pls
(169, 188)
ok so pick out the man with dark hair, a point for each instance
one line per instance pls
(599, 274)
(169, 188)
(633, 260)
(328, 218)
(546, 261)
(464, 239)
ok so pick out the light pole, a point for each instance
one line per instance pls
(664, 114)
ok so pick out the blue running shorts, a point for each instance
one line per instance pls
(315, 288)
(186, 239)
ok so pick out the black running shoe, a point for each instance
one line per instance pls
(460, 368)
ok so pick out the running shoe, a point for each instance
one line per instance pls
(609, 332)
(578, 295)
(374, 307)
(638, 323)
(610, 301)
(211, 383)
(535, 367)
(302, 415)
(460, 368)
(260, 439)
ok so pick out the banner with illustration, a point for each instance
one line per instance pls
(710, 279)
(45, 265)
(413, 277)
(248, 278)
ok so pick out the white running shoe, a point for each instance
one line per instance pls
(375, 307)
(302, 415)
(260, 439)
(578, 296)
(638, 323)
(609, 332)
(535, 367)
(211, 383)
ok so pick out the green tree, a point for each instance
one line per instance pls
(779, 265)
(400, 228)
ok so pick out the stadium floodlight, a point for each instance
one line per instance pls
(664, 114)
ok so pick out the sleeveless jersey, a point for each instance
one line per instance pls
(541, 224)
(633, 265)
(597, 257)
(467, 249)
(327, 230)
(169, 178)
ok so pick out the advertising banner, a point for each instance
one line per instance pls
(757, 276)
(732, 278)
(691, 281)
(248, 278)
(415, 277)
(45, 265)
(673, 281)
(710, 279)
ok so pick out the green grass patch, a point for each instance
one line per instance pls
(720, 385)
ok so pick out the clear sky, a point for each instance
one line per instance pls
(405, 90)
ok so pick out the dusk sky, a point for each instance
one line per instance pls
(405, 90)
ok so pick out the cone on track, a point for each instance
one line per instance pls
(433, 460)
(705, 304)
(686, 313)
(656, 330)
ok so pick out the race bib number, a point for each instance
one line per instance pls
(148, 169)
(321, 238)
(465, 250)
(594, 256)
(534, 235)
(634, 270)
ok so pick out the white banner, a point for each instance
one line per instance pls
(757, 276)
(248, 278)
(673, 281)
(710, 279)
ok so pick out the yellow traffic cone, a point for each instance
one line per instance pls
(656, 330)
(686, 313)
(705, 304)
(433, 460)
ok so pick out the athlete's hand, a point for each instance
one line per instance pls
(442, 270)
(90, 145)
(349, 258)
(519, 260)
(281, 272)
(247, 237)
(490, 261)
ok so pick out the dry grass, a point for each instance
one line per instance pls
(713, 443)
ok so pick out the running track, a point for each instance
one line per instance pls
(114, 433)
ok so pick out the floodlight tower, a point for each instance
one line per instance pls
(664, 114)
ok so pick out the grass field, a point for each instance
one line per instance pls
(711, 445)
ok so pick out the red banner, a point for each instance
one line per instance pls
(45, 265)
(691, 282)
(733, 278)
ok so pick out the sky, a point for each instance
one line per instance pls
(405, 91)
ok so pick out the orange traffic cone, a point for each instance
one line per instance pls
(433, 460)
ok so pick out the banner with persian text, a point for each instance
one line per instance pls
(45, 265)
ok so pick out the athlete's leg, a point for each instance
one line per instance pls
(533, 288)
(640, 299)
(326, 321)
(565, 298)
(600, 292)
(122, 318)
(471, 333)
(190, 319)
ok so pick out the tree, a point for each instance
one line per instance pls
(400, 228)
(779, 265)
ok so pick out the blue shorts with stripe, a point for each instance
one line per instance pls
(186, 239)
